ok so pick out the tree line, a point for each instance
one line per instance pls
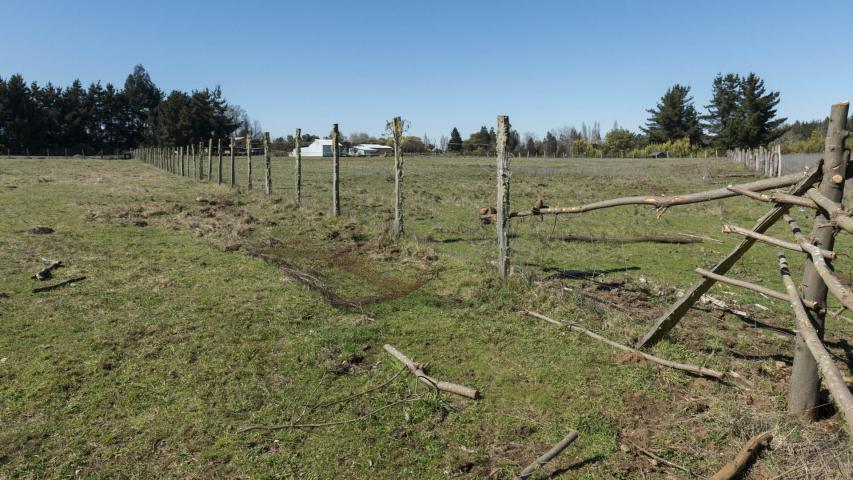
(103, 118)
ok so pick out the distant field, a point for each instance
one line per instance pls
(179, 338)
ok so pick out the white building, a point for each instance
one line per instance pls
(319, 148)
(369, 150)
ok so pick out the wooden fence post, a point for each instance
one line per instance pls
(267, 164)
(233, 164)
(803, 396)
(503, 205)
(209, 159)
(219, 151)
(192, 153)
(299, 167)
(249, 154)
(397, 134)
(336, 171)
(201, 160)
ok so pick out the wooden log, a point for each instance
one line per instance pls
(45, 273)
(670, 239)
(58, 285)
(732, 469)
(418, 371)
(832, 378)
(249, 155)
(397, 135)
(209, 159)
(776, 197)
(729, 377)
(233, 181)
(219, 152)
(298, 166)
(503, 201)
(336, 173)
(839, 216)
(671, 317)
(772, 240)
(803, 395)
(547, 456)
(744, 284)
(267, 164)
(666, 201)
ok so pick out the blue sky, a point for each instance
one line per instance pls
(439, 64)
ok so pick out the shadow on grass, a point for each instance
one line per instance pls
(576, 466)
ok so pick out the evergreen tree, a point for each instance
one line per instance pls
(724, 120)
(759, 113)
(674, 118)
(455, 143)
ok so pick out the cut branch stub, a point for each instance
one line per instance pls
(419, 373)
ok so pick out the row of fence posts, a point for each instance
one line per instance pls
(767, 161)
(177, 161)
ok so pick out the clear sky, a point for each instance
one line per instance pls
(439, 64)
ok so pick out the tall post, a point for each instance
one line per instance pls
(233, 164)
(503, 196)
(219, 151)
(803, 396)
(183, 155)
(267, 164)
(209, 159)
(336, 173)
(249, 155)
(397, 134)
(201, 160)
(192, 154)
(299, 167)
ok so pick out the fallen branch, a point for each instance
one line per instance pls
(547, 456)
(776, 197)
(665, 201)
(833, 284)
(58, 285)
(832, 378)
(839, 216)
(674, 239)
(751, 286)
(45, 273)
(729, 377)
(772, 241)
(423, 377)
(752, 448)
(660, 459)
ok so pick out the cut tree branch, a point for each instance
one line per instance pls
(665, 201)
(58, 285)
(772, 241)
(832, 378)
(547, 456)
(676, 239)
(776, 197)
(755, 444)
(749, 285)
(417, 369)
(729, 377)
(837, 214)
(833, 284)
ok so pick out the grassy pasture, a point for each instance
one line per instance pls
(179, 338)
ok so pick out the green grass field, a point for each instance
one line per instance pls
(179, 338)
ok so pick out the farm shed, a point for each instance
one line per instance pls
(370, 150)
(320, 147)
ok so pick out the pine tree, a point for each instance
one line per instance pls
(455, 143)
(674, 118)
(724, 120)
(758, 109)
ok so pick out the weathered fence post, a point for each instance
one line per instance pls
(336, 172)
(267, 164)
(249, 154)
(503, 206)
(298, 166)
(183, 155)
(397, 134)
(233, 164)
(219, 151)
(209, 159)
(201, 160)
(803, 397)
(192, 153)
